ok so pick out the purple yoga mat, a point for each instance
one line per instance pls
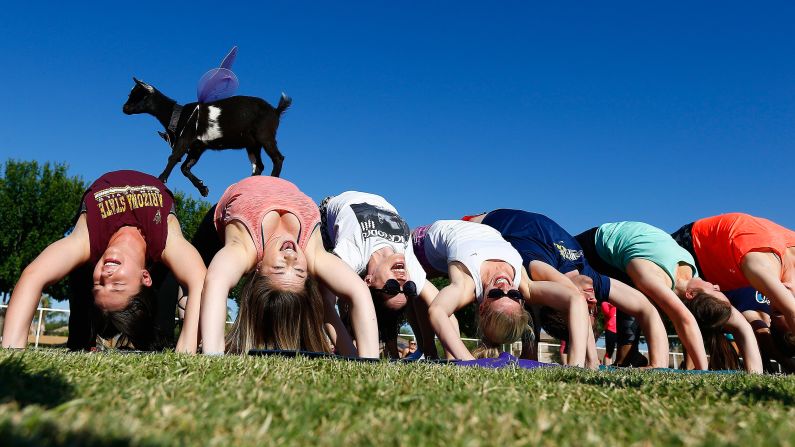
(503, 361)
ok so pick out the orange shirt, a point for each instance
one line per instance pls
(721, 242)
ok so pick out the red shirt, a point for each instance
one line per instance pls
(609, 312)
(128, 199)
(721, 242)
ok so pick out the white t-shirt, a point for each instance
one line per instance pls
(470, 244)
(359, 224)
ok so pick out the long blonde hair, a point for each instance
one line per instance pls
(496, 328)
(278, 319)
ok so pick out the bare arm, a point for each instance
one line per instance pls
(458, 294)
(224, 272)
(634, 303)
(339, 335)
(55, 262)
(763, 271)
(744, 336)
(185, 262)
(346, 284)
(421, 304)
(647, 276)
(576, 309)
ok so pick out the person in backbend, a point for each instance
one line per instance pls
(484, 268)
(667, 274)
(367, 233)
(550, 253)
(125, 225)
(271, 234)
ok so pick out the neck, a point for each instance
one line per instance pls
(490, 269)
(378, 256)
(164, 108)
(129, 239)
(683, 275)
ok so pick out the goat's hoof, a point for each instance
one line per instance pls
(163, 178)
(203, 190)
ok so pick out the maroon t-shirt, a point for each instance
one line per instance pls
(128, 199)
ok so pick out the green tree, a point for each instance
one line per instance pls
(190, 212)
(38, 203)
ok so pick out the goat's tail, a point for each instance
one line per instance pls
(284, 103)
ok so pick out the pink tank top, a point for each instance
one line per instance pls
(250, 199)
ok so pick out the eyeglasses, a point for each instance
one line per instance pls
(513, 294)
(392, 288)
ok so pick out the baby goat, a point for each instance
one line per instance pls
(231, 123)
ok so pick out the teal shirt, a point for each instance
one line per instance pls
(620, 242)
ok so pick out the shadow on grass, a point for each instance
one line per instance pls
(46, 388)
(49, 434)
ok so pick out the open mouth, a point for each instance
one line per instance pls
(111, 263)
(287, 245)
(500, 280)
(399, 270)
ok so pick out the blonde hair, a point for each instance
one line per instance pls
(497, 327)
(278, 319)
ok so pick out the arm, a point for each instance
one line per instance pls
(344, 283)
(338, 334)
(225, 270)
(634, 303)
(744, 336)
(649, 279)
(564, 300)
(763, 271)
(55, 262)
(541, 271)
(421, 305)
(458, 294)
(186, 264)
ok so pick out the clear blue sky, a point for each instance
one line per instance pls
(589, 114)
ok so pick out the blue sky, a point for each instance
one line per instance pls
(589, 114)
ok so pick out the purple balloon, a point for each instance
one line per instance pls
(219, 83)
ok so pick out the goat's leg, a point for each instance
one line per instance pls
(193, 157)
(276, 157)
(256, 160)
(173, 159)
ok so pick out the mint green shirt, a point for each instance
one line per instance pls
(620, 242)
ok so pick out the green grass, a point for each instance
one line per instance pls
(56, 398)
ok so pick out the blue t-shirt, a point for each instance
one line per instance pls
(538, 238)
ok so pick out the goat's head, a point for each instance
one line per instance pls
(140, 99)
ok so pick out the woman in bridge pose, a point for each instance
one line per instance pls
(667, 274)
(126, 224)
(484, 268)
(270, 232)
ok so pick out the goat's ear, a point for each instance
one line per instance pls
(143, 84)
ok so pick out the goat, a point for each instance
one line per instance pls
(232, 123)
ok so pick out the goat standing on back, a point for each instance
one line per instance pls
(232, 123)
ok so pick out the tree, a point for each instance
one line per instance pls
(190, 212)
(39, 204)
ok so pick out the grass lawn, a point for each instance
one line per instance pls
(50, 397)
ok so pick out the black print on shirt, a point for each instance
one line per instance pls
(376, 222)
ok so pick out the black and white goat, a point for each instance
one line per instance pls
(232, 123)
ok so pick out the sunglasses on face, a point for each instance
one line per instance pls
(513, 294)
(392, 288)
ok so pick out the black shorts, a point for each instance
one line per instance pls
(684, 237)
(610, 343)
